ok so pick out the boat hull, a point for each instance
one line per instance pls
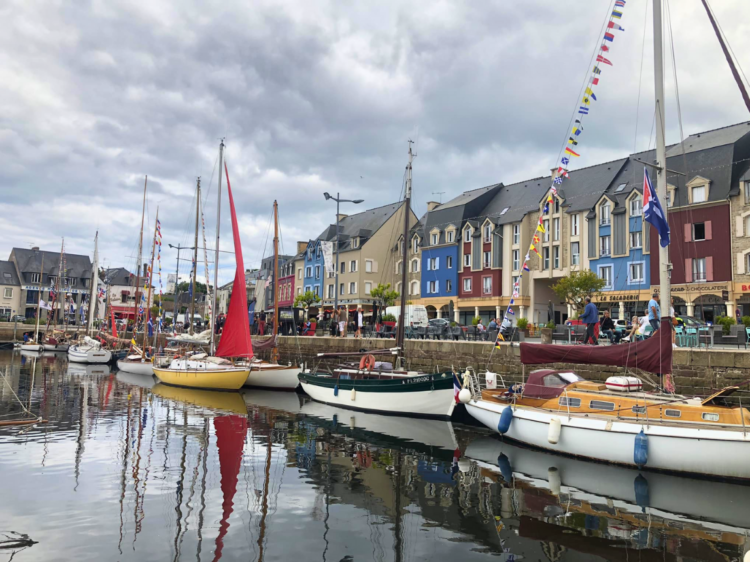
(278, 379)
(145, 368)
(428, 396)
(210, 379)
(62, 347)
(688, 450)
(86, 355)
(31, 347)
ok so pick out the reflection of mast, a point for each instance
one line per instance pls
(180, 483)
(125, 454)
(264, 507)
(399, 544)
(81, 431)
(137, 468)
(206, 438)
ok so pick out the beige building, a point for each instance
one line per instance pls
(10, 291)
(413, 262)
(739, 209)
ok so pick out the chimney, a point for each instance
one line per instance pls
(341, 216)
(35, 249)
(431, 205)
(301, 247)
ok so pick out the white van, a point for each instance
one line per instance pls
(416, 314)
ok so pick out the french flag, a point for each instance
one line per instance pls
(456, 388)
(653, 213)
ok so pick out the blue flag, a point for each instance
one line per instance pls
(251, 311)
(150, 328)
(653, 213)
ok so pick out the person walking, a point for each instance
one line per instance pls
(342, 322)
(360, 323)
(590, 317)
(654, 313)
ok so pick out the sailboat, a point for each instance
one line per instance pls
(265, 374)
(35, 346)
(55, 340)
(214, 372)
(373, 386)
(617, 422)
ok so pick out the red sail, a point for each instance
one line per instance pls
(653, 354)
(235, 339)
(231, 432)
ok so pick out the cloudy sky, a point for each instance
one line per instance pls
(313, 97)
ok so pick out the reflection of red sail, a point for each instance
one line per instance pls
(235, 339)
(230, 438)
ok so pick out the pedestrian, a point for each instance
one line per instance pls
(654, 313)
(607, 327)
(493, 324)
(360, 323)
(342, 322)
(590, 317)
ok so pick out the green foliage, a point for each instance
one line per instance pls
(475, 320)
(184, 287)
(167, 322)
(454, 324)
(388, 318)
(305, 300)
(522, 323)
(30, 321)
(725, 322)
(746, 320)
(384, 295)
(577, 286)
(550, 325)
(154, 311)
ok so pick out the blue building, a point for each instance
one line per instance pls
(314, 271)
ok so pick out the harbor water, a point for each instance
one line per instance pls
(126, 468)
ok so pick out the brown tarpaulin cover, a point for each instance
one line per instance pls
(653, 354)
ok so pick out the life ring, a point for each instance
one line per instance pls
(367, 363)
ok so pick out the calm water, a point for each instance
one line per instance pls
(129, 470)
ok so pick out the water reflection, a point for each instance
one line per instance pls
(128, 469)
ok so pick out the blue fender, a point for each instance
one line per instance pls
(505, 418)
(503, 463)
(336, 390)
(641, 492)
(640, 451)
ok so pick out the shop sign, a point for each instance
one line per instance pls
(618, 298)
(696, 288)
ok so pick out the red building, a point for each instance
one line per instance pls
(286, 291)
(480, 273)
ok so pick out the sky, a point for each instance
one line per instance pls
(313, 97)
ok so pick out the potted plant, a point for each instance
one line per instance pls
(523, 326)
(547, 332)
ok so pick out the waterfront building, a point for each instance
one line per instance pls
(10, 291)
(267, 273)
(314, 266)
(224, 293)
(413, 262)
(299, 268)
(123, 293)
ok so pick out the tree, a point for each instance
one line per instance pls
(305, 300)
(579, 285)
(384, 295)
(184, 287)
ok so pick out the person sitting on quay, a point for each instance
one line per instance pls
(493, 324)
(607, 327)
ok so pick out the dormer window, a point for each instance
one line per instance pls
(487, 233)
(355, 242)
(699, 194)
(467, 234)
(636, 207)
(604, 215)
(415, 245)
(450, 235)
(435, 238)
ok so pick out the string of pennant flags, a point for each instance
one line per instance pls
(571, 149)
(158, 242)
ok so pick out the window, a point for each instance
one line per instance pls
(575, 253)
(574, 225)
(352, 288)
(415, 245)
(435, 238)
(449, 262)
(467, 285)
(342, 267)
(556, 229)
(699, 269)
(299, 274)
(545, 253)
(467, 260)
(602, 405)
(605, 272)
(604, 214)
(707, 416)
(604, 245)
(747, 193)
(308, 288)
(673, 413)
(401, 248)
(432, 264)
(451, 234)
(556, 257)
(330, 291)
(517, 279)
(467, 235)
(569, 402)
(368, 266)
(636, 240)
(34, 278)
(317, 272)
(353, 266)
(414, 266)
(516, 260)
(331, 274)
(638, 409)
(699, 194)
(486, 259)
(368, 287)
(546, 230)
(621, 188)
(669, 197)
(636, 208)
(342, 286)
(308, 271)
(355, 242)
(504, 211)
(635, 272)
(448, 286)
(432, 287)
(487, 234)
(487, 285)
(516, 234)
(8, 292)
(699, 231)
(309, 253)
(747, 262)
(316, 290)
(299, 290)
(557, 206)
(398, 267)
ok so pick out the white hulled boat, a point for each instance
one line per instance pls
(89, 351)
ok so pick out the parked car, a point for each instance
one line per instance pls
(439, 322)
(691, 321)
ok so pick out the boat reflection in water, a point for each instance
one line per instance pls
(573, 502)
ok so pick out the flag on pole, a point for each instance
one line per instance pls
(620, 3)
(525, 266)
(456, 388)
(595, 81)
(565, 161)
(590, 92)
(616, 14)
(604, 48)
(568, 150)
(613, 25)
(597, 70)
(557, 181)
(600, 58)
(583, 110)
(653, 212)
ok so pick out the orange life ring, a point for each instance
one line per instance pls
(367, 363)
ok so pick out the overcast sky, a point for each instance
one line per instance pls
(313, 97)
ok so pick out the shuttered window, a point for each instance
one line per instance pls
(592, 238)
(619, 225)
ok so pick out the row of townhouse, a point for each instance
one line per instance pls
(465, 255)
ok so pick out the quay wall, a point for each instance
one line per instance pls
(696, 372)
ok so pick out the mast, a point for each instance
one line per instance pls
(661, 154)
(216, 256)
(275, 350)
(732, 67)
(407, 205)
(150, 280)
(39, 300)
(138, 261)
(94, 284)
(195, 254)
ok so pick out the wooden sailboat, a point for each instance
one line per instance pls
(562, 412)
(35, 345)
(55, 340)
(265, 374)
(209, 371)
(374, 387)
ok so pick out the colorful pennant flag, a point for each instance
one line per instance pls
(613, 25)
(616, 14)
(604, 48)
(549, 199)
(563, 172)
(597, 70)
(583, 110)
(535, 241)
(565, 161)
(568, 150)
(590, 93)
(510, 311)
(533, 249)
(600, 58)
(620, 3)
(525, 266)
(595, 81)
(557, 181)
(609, 36)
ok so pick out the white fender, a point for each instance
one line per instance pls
(553, 475)
(555, 427)
(464, 396)
(354, 394)
(491, 380)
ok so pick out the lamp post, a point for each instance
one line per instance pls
(338, 202)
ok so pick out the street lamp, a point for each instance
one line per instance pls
(338, 202)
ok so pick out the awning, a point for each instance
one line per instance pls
(126, 311)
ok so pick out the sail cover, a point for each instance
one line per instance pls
(235, 338)
(653, 354)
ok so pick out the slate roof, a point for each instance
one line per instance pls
(29, 261)
(117, 276)
(468, 205)
(585, 186)
(710, 139)
(8, 274)
(363, 225)
(520, 198)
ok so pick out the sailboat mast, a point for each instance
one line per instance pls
(94, 284)
(195, 254)
(39, 300)
(150, 279)
(275, 350)
(407, 205)
(661, 154)
(216, 255)
(138, 260)
(58, 302)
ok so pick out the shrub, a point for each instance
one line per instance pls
(522, 323)
(746, 320)
(725, 322)
(30, 321)
(551, 325)
(388, 318)
(475, 320)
